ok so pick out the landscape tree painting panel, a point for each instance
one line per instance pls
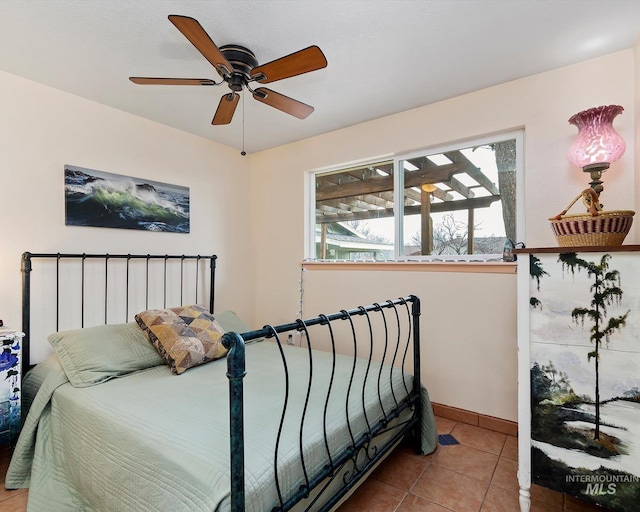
(103, 199)
(585, 376)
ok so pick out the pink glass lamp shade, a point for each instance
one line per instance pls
(597, 144)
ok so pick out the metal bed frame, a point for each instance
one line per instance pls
(27, 268)
(400, 337)
(362, 455)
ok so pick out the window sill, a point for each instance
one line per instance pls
(479, 267)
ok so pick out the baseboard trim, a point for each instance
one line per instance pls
(477, 419)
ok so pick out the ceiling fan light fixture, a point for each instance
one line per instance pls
(237, 65)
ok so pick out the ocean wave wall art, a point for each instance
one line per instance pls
(103, 199)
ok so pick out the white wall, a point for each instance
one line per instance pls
(42, 129)
(541, 105)
(466, 361)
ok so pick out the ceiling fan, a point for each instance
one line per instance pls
(238, 66)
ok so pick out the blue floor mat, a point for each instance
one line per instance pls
(446, 439)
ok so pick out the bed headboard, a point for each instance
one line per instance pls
(81, 290)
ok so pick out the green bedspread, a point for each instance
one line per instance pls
(153, 441)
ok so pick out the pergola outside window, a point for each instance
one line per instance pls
(446, 203)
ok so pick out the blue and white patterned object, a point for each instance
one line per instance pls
(10, 371)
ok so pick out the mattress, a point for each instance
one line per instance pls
(151, 440)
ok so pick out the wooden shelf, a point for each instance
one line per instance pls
(588, 248)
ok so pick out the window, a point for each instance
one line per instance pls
(456, 202)
(354, 213)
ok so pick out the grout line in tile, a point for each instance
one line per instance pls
(424, 470)
(401, 502)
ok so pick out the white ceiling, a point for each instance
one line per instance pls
(384, 56)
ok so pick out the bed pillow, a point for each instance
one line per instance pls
(96, 354)
(185, 336)
(231, 322)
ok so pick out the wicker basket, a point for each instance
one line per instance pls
(594, 228)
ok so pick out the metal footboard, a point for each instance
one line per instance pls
(387, 332)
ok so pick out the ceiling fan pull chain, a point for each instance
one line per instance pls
(243, 152)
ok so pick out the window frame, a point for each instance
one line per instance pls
(398, 194)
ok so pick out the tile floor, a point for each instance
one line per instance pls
(476, 475)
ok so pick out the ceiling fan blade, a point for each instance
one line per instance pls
(281, 102)
(141, 80)
(226, 108)
(294, 64)
(194, 32)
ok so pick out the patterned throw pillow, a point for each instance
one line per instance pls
(185, 336)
